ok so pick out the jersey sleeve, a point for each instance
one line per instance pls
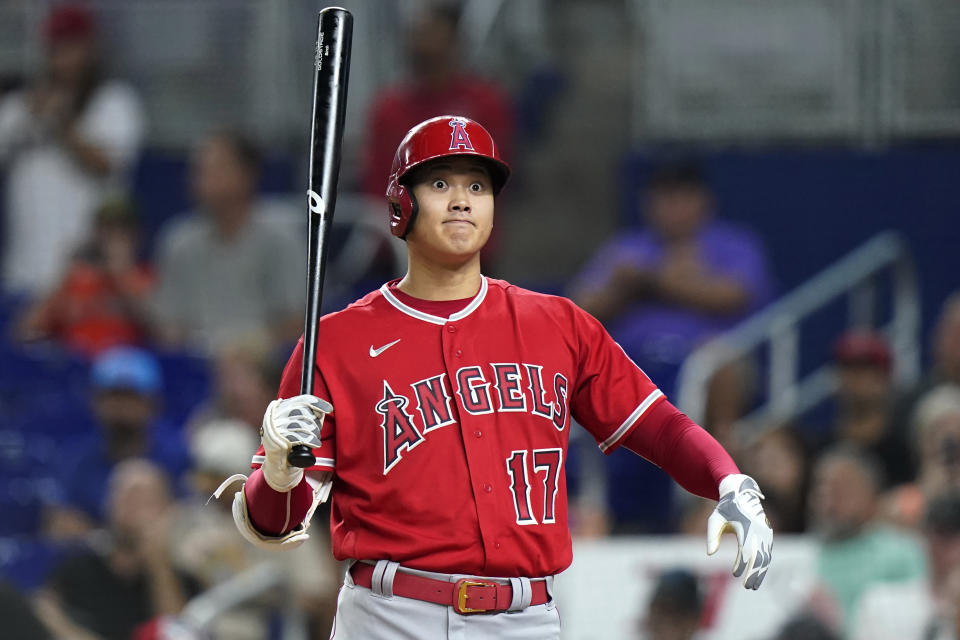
(289, 387)
(611, 394)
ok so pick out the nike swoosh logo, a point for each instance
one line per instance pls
(375, 352)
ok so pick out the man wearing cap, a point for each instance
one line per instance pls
(865, 395)
(64, 140)
(126, 385)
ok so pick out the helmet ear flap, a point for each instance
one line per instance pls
(403, 208)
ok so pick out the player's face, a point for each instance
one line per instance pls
(455, 217)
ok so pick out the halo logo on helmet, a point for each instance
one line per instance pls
(458, 137)
(435, 138)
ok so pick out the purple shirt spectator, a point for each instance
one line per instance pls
(660, 292)
(659, 334)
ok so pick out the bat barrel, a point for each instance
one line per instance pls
(332, 66)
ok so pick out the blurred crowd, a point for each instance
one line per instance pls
(173, 348)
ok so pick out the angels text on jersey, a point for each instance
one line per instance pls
(408, 414)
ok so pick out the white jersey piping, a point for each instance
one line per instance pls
(426, 317)
(631, 419)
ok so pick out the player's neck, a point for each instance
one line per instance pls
(428, 281)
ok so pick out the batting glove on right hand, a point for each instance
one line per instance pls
(287, 423)
(740, 511)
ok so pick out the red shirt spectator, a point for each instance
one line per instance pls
(437, 86)
(399, 108)
(99, 303)
(89, 313)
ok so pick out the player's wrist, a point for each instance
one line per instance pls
(280, 476)
(731, 483)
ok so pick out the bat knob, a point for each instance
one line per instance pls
(301, 456)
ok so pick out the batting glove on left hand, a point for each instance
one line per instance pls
(287, 423)
(740, 511)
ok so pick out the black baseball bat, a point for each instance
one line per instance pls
(332, 64)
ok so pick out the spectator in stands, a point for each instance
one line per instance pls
(675, 608)
(937, 432)
(865, 398)
(856, 552)
(101, 302)
(946, 343)
(437, 85)
(661, 291)
(66, 139)
(664, 289)
(123, 581)
(209, 549)
(779, 456)
(945, 356)
(246, 377)
(126, 394)
(935, 445)
(806, 627)
(232, 266)
(923, 609)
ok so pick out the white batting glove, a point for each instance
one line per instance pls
(740, 511)
(287, 423)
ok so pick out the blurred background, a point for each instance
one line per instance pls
(758, 199)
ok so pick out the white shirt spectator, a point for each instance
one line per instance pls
(50, 198)
(216, 290)
(901, 611)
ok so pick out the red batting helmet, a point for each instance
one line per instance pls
(438, 137)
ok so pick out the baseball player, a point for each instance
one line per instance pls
(454, 397)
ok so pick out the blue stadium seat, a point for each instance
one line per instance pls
(186, 383)
(27, 482)
(26, 563)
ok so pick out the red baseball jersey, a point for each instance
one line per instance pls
(449, 435)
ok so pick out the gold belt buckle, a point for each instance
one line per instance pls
(461, 587)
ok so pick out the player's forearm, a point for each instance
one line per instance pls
(274, 513)
(689, 454)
